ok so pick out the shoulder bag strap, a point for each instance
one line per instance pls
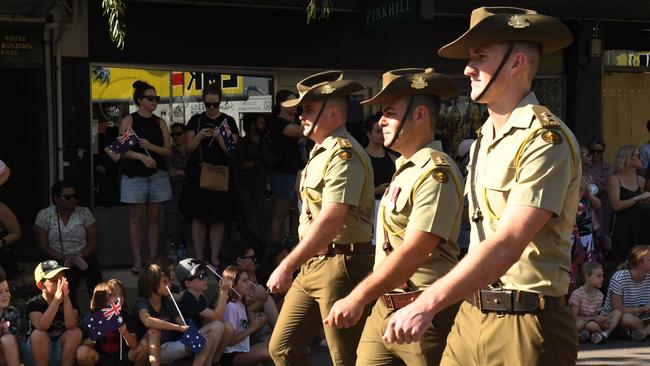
(198, 128)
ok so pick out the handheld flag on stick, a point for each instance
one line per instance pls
(211, 268)
(123, 143)
(104, 321)
(228, 137)
(192, 339)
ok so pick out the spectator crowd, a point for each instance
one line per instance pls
(610, 281)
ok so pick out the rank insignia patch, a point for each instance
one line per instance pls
(551, 137)
(345, 155)
(439, 176)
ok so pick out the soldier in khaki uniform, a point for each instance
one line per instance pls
(335, 252)
(523, 190)
(418, 223)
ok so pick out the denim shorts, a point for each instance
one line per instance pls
(151, 189)
(172, 352)
(54, 359)
(283, 185)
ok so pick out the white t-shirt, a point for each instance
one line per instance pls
(235, 314)
(73, 234)
(633, 293)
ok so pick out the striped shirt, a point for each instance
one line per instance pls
(588, 305)
(633, 293)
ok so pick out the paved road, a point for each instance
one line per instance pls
(625, 353)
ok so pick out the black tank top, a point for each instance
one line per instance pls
(145, 128)
(383, 169)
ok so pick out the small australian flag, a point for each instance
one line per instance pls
(228, 138)
(193, 339)
(104, 321)
(123, 143)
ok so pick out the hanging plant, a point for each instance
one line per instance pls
(114, 11)
(312, 10)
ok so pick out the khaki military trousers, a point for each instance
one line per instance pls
(373, 350)
(543, 338)
(321, 282)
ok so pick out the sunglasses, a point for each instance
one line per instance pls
(251, 257)
(201, 276)
(152, 98)
(595, 151)
(211, 105)
(176, 134)
(69, 196)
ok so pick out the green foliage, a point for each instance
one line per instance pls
(114, 11)
(312, 10)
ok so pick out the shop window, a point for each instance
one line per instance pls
(181, 97)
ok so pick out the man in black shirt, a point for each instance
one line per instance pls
(53, 336)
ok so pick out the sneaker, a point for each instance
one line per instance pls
(583, 336)
(598, 337)
(638, 335)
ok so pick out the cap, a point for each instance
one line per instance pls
(47, 269)
(188, 268)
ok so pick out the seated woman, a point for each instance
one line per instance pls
(258, 300)
(9, 235)
(629, 292)
(67, 233)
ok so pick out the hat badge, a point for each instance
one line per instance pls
(518, 21)
(327, 89)
(419, 83)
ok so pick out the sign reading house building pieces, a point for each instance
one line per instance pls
(378, 13)
(21, 46)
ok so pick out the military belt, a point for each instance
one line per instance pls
(349, 249)
(397, 300)
(513, 301)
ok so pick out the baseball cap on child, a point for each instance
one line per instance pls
(47, 269)
(188, 268)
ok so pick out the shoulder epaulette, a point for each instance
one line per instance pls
(343, 142)
(438, 159)
(545, 117)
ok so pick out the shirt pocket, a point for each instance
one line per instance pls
(312, 187)
(496, 191)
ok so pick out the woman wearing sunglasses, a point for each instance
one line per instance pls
(145, 183)
(207, 210)
(67, 233)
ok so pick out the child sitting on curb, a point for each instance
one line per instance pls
(10, 319)
(53, 336)
(586, 303)
(193, 276)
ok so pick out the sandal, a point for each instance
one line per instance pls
(136, 270)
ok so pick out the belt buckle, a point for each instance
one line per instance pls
(479, 299)
(351, 247)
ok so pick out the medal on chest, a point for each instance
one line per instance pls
(394, 193)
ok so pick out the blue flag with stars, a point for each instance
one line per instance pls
(104, 321)
(123, 143)
(193, 339)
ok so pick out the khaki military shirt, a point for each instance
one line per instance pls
(426, 195)
(527, 164)
(339, 171)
